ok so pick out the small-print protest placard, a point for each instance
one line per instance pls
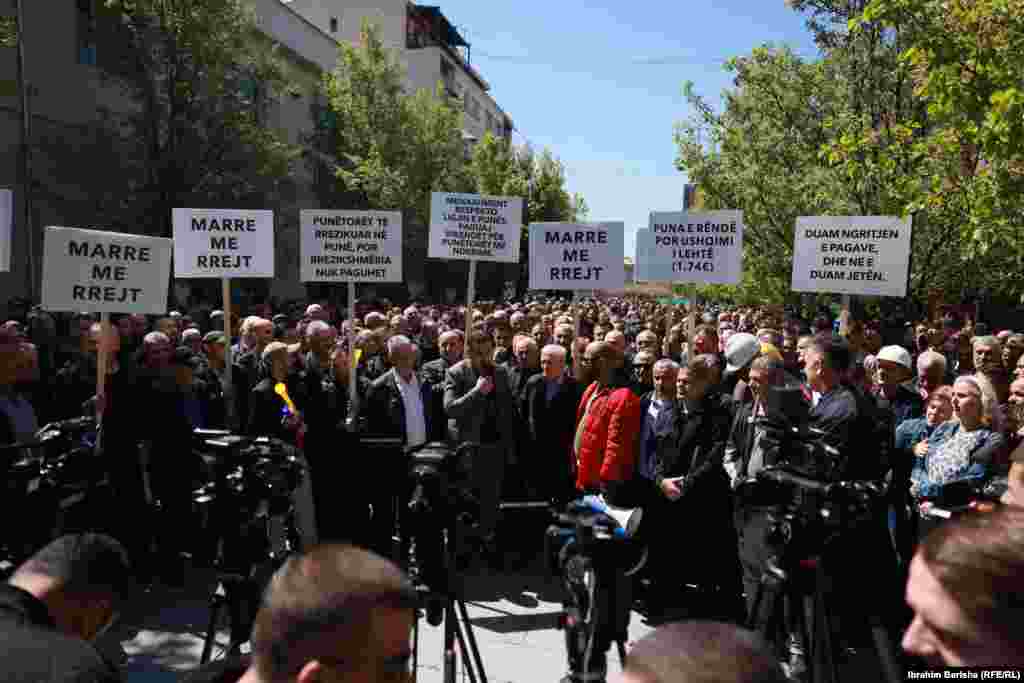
(351, 246)
(471, 227)
(577, 256)
(705, 248)
(223, 243)
(865, 255)
(91, 270)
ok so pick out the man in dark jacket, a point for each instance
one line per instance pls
(65, 596)
(432, 377)
(548, 407)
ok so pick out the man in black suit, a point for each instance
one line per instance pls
(432, 377)
(398, 406)
(548, 407)
(524, 364)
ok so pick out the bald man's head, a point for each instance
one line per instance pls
(617, 340)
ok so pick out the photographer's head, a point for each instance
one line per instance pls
(701, 652)
(966, 592)
(337, 613)
(81, 579)
(826, 362)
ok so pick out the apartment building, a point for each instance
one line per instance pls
(429, 47)
(71, 57)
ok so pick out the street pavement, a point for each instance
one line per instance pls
(513, 613)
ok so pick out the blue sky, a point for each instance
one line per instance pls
(600, 82)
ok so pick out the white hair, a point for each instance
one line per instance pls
(156, 338)
(666, 364)
(931, 359)
(554, 350)
(315, 327)
(397, 342)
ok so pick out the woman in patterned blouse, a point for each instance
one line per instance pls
(963, 448)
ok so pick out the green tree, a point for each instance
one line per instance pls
(499, 168)
(392, 148)
(761, 155)
(203, 77)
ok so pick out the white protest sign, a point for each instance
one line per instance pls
(105, 272)
(223, 243)
(6, 218)
(472, 227)
(351, 246)
(867, 255)
(702, 247)
(577, 256)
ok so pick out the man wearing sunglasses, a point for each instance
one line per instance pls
(57, 604)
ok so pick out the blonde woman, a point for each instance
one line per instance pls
(962, 449)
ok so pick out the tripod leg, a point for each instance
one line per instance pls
(474, 651)
(467, 663)
(211, 630)
(449, 643)
(622, 653)
(891, 668)
(415, 644)
(824, 654)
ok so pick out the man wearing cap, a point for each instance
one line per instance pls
(740, 352)
(214, 391)
(894, 369)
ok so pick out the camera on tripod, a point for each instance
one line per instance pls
(591, 548)
(50, 483)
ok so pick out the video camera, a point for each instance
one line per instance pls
(441, 501)
(246, 497)
(49, 483)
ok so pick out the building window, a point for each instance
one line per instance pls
(86, 32)
(334, 24)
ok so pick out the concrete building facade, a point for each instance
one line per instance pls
(70, 57)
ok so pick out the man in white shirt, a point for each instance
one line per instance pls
(396, 406)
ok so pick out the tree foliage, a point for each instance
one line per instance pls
(499, 168)
(203, 79)
(393, 148)
(906, 112)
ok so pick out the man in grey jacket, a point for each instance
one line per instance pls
(481, 410)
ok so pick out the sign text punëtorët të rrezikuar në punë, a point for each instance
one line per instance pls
(355, 257)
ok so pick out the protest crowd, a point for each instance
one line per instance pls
(647, 405)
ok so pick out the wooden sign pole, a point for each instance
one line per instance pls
(225, 284)
(102, 363)
(470, 295)
(352, 370)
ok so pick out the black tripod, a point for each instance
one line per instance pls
(799, 606)
(436, 556)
